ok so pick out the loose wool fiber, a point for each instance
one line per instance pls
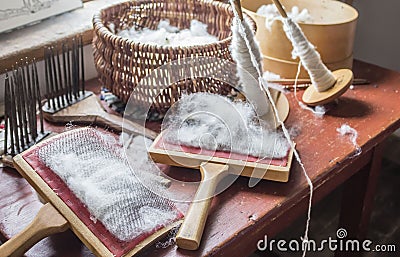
(214, 122)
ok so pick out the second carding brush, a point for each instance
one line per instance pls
(67, 99)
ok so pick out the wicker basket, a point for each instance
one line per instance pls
(121, 63)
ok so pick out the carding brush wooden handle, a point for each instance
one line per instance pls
(48, 221)
(189, 235)
(115, 122)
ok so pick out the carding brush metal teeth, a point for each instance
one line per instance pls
(65, 76)
(23, 127)
(67, 99)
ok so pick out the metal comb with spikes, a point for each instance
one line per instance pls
(23, 127)
(65, 76)
(67, 99)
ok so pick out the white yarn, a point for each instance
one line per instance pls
(255, 60)
(286, 133)
(94, 169)
(321, 77)
(241, 53)
(249, 85)
(347, 130)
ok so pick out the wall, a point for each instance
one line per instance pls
(377, 37)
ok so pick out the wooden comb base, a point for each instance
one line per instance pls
(48, 109)
(7, 159)
(90, 111)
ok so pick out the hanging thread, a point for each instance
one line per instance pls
(284, 129)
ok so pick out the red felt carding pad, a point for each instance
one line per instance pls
(163, 145)
(115, 246)
(275, 169)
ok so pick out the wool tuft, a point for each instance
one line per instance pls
(168, 35)
(214, 122)
(271, 14)
(344, 130)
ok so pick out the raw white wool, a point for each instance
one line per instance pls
(347, 130)
(214, 122)
(167, 35)
(271, 14)
(268, 76)
(319, 110)
(169, 240)
(111, 27)
(136, 151)
(94, 168)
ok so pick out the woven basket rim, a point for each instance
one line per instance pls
(102, 28)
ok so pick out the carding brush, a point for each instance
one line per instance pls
(91, 189)
(67, 99)
(218, 136)
(213, 166)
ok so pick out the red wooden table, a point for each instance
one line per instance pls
(241, 216)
